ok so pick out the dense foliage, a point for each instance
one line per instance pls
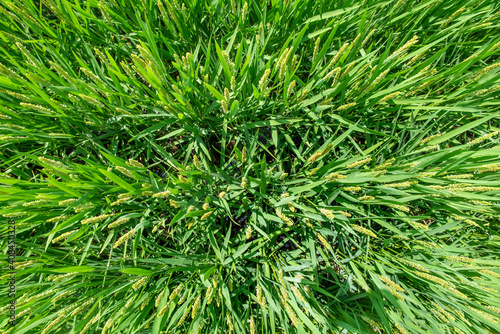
(251, 167)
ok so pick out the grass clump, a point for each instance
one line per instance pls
(251, 166)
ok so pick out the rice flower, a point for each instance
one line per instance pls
(206, 215)
(125, 171)
(457, 258)
(441, 313)
(107, 325)
(36, 107)
(485, 70)
(67, 201)
(327, 213)
(91, 100)
(243, 182)
(489, 272)
(58, 218)
(366, 198)
(314, 157)
(225, 107)
(323, 241)
(375, 82)
(248, 232)
(197, 162)
(182, 178)
(459, 176)
(35, 203)
(326, 101)
(209, 295)
(488, 316)
(353, 189)
(487, 168)
(53, 323)
(333, 72)
(287, 220)
(162, 194)
(395, 293)
(196, 306)
(303, 95)
(124, 238)
(405, 184)
(139, 282)
(406, 46)
(316, 49)
(426, 244)
(59, 278)
(84, 207)
(434, 279)
(290, 88)
(163, 309)
(82, 307)
(159, 298)
(482, 138)
(118, 202)
(359, 163)
(252, 325)
(347, 214)
(430, 148)
(229, 322)
(263, 81)
(400, 207)
(375, 326)
(118, 222)
(364, 230)
(426, 174)
(185, 314)
(96, 219)
(280, 277)
(63, 236)
(222, 194)
(346, 106)
(461, 315)
(494, 309)
(260, 297)
(418, 225)
(205, 206)
(7, 72)
(391, 283)
(176, 292)
(297, 293)
(452, 16)
(389, 97)
(312, 172)
(337, 55)
(465, 220)
(483, 203)
(22, 265)
(292, 315)
(61, 296)
(92, 321)
(12, 138)
(127, 305)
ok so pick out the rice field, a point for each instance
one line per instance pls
(250, 166)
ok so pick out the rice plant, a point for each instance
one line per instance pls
(250, 166)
